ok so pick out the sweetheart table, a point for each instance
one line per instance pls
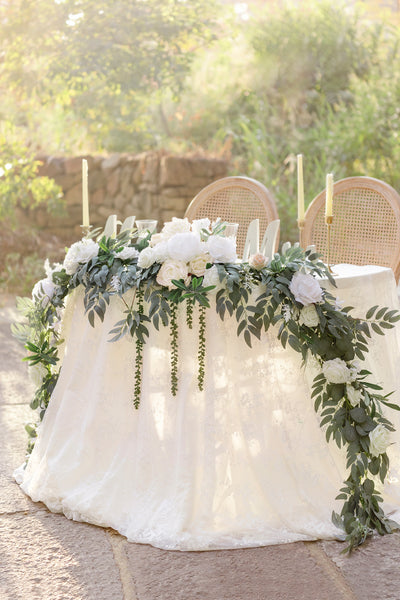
(242, 463)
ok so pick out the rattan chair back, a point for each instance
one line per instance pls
(235, 200)
(366, 224)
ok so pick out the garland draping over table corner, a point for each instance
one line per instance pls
(192, 263)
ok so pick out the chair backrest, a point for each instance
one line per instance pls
(366, 224)
(235, 200)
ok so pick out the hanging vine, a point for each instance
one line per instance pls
(174, 349)
(201, 356)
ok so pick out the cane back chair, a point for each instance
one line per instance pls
(366, 224)
(235, 200)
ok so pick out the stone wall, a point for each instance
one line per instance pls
(149, 185)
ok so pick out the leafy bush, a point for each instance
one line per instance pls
(319, 79)
(20, 184)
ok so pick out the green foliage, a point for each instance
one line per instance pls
(39, 336)
(174, 349)
(201, 355)
(20, 272)
(331, 92)
(65, 54)
(139, 343)
(321, 79)
(20, 184)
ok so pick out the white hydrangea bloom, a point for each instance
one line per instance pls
(199, 224)
(161, 252)
(79, 253)
(175, 226)
(184, 246)
(221, 249)
(127, 253)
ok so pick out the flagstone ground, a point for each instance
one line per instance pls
(44, 556)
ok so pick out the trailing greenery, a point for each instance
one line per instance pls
(139, 353)
(201, 356)
(174, 349)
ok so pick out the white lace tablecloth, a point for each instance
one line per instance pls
(243, 463)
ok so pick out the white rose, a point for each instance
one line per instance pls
(79, 253)
(258, 261)
(309, 316)
(197, 266)
(211, 277)
(172, 269)
(199, 224)
(184, 246)
(127, 253)
(221, 249)
(37, 373)
(44, 290)
(305, 288)
(161, 252)
(336, 371)
(146, 258)
(156, 238)
(379, 440)
(353, 395)
(175, 226)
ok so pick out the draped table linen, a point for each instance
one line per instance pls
(243, 463)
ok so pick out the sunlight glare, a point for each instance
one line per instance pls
(242, 10)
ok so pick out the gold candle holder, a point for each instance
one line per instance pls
(86, 230)
(300, 225)
(329, 221)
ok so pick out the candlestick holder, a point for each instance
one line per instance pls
(300, 225)
(329, 221)
(86, 230)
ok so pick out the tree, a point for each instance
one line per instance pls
(101, 60)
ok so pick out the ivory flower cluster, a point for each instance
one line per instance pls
(307, 291)
(182, 251)
(80, 253)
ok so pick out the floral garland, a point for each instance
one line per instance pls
(193, 262)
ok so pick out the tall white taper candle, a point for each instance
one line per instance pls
(329, 195)
(300, 188)
(85, 194)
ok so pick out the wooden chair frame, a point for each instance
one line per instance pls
(235, 199)
(366, 224)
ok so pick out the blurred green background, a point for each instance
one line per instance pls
(256, 82)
